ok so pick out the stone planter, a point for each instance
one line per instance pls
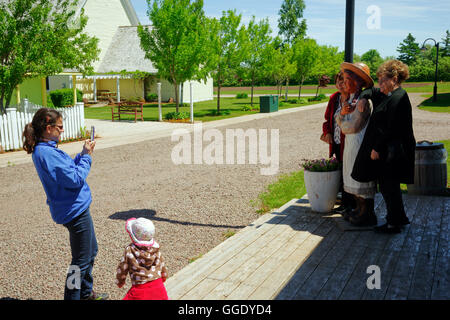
(322, 189)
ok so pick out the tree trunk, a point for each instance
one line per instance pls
(177, 102)
(287, 89)
(2, 110)
(300, 87)
(253, 83)
(219, 80)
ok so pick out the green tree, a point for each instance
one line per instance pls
(178, 44)
(227, 47)
(288, 23)
(328, 62)
(306, 54)
(257, 43)
(281, 64)
(445, 51)
(39, 39)
(373, 60)
(408, 49)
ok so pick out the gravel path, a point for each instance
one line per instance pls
(192, 206)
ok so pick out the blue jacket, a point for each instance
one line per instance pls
(64, 180)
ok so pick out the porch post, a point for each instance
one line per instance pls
(18, 94)
(74, 88)
(95, 89)
(159, 101)
(118, 88)
(44, 92)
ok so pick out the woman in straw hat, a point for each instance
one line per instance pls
(388, 149)
(353, 120)
(332, 134)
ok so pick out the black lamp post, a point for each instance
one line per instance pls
(436, 44)
(349, 29)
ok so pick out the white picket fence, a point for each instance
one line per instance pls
(13, 123)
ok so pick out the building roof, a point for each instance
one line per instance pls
(125, 53)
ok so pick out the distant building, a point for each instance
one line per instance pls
(114, 23)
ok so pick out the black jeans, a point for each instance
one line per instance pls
(83, 243)
(392, 195)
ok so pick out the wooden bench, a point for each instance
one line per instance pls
(128, 107)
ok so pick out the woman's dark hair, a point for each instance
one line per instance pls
(338, 77)
(34, 130)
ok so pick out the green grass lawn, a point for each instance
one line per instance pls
(287, 187)
(203, 111)
(422, 87)
(442, 103)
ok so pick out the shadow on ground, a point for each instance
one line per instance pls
(151, 214)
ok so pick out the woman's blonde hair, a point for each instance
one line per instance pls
(392, 68)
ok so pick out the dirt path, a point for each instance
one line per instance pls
(192, 206)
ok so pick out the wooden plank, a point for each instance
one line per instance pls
(200, 290)
(341, 274)
(389, 257)
(274, 239)
(311, 288)
(441, 282)
(292, 256)
(254, 277)
(422, 281)
(330, 236)
(402, 276)
(256, 254)
(190, 276)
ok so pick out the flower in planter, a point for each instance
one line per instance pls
(321, 165)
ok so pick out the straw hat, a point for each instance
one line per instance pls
(141, 231)
(361, 70)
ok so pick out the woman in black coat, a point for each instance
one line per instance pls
(387, 151)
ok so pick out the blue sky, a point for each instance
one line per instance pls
(379, 24)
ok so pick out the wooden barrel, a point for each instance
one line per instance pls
(430, 169)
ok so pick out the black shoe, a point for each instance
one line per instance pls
(96, 296)
(387, 228)
(366, 220)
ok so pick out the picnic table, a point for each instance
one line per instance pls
(127, 107)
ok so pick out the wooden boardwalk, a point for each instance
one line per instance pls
(294, 253)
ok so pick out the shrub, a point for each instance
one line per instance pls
(64, 97)
(246, 108)
(151, 97)
(176, 115)
(318, 98)
(241, 96)
(220, 113)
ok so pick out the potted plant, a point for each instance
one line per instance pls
(322, 178)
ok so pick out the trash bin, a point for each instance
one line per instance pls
(268, 104)
(430, 169)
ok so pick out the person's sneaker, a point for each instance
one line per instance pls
(97, 296)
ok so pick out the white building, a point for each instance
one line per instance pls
(114, 23)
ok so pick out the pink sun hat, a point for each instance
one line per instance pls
(141, 232)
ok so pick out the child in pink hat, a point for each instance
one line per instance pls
(143, 261)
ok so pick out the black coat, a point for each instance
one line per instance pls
(390, 133)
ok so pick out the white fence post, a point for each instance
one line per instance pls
(13, 129)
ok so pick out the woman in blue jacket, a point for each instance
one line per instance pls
(68, 196)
